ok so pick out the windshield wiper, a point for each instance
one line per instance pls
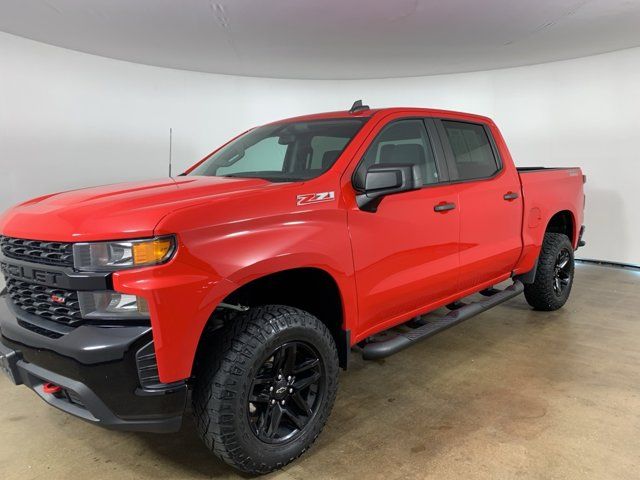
(255, 175)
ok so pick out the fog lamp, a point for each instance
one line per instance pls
(109, 305)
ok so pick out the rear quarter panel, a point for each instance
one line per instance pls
(545, 193)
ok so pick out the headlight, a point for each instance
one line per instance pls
(112, 306)
(110, 256)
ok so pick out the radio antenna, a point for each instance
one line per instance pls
(170, 149)
(358, 107)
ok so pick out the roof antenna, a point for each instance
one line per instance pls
(358, 106)
(170, 149)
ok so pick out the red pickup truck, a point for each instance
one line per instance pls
(244, 283)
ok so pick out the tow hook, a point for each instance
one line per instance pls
(51, 388)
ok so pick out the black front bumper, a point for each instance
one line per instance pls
(97, 368)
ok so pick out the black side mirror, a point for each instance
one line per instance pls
(386, 179)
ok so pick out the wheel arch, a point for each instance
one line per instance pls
(534, 229)
(309, 288)
(563, 222)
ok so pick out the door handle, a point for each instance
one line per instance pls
(444, 207)
(510, 196)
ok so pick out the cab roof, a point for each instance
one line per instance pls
(367, 113)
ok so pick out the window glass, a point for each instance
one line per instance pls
(326, 150)
(267, 154)
(293, 151)
(404, 141)
(472, 151)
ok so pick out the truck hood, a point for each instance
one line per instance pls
(119, 211)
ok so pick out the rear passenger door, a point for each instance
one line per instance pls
(490, 203)
(405, 253)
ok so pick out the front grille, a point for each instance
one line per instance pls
(51, 303)
(49, 253)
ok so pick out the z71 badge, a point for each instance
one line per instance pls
(309, 198)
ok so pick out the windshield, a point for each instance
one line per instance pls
(283, 152)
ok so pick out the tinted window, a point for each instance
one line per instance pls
(325, 150)
(405, 141)
(266, 154)
(283, 152)
(472, 151)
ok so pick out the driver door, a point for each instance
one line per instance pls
(406, 253)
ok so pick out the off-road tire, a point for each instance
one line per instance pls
(225, 375)
(541, 294)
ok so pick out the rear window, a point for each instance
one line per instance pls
(472, 152)
(287, 152)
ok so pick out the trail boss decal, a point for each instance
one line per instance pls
(309, 198)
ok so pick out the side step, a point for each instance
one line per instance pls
(376, 350)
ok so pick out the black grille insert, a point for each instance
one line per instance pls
(39, 330)
(51, 303)
(147, 367)
(49, 253)
(148, 370)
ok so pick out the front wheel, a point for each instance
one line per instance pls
(554, 276)
(265, 389)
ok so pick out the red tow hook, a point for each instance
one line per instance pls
(51, 388)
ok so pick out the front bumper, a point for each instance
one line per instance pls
(98, 370)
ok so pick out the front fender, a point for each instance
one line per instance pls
(214, 260)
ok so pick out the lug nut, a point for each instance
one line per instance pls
(279, 377)
(282, 402)
(289, 378)
(271, 389)
(273, 402)
(291, 390)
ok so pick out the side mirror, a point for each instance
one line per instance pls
(386, 179)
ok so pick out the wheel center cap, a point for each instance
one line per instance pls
(280, 391)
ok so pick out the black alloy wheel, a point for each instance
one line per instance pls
(286, 393)
(562, 272)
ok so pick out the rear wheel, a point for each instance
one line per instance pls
(265, 390)
(554, 276)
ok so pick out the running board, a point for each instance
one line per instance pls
(376, 350)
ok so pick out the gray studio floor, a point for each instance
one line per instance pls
(511, 393)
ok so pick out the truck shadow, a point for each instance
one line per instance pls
(187, 452)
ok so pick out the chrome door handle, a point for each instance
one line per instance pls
(444, 207)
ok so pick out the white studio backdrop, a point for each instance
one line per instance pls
(71, 120)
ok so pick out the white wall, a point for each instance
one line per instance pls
(71, 120)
